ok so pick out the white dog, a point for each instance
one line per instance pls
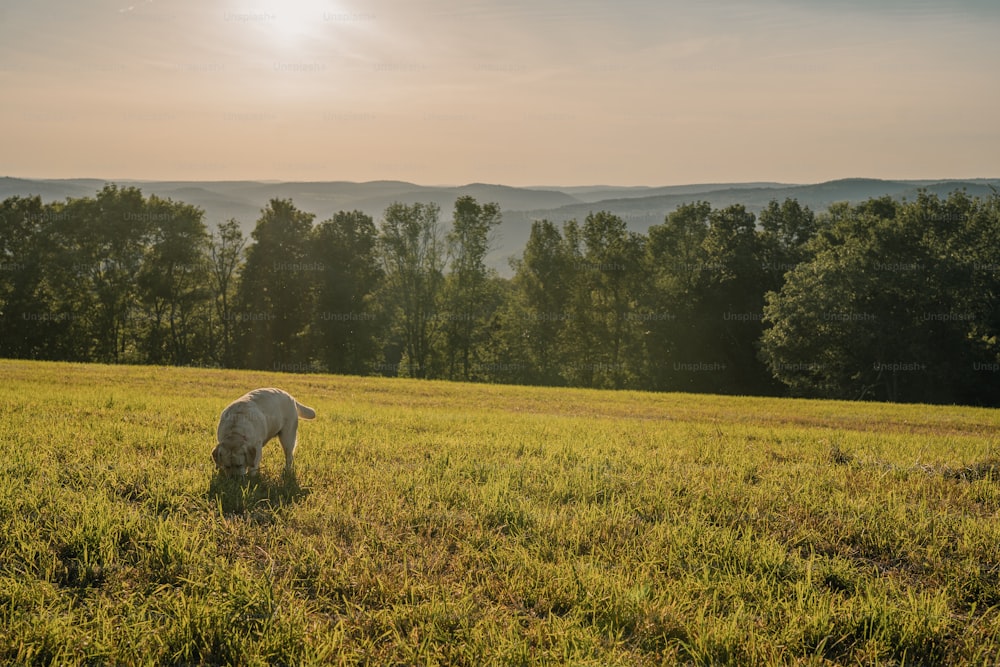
(249, 422)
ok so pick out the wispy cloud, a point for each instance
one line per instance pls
(519, 91)
(131, 8)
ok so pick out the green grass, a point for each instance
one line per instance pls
(436, 523)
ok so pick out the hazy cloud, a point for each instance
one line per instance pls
(520, 91)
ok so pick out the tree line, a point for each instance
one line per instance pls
(883, 300)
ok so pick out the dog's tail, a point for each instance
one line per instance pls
(304, 412)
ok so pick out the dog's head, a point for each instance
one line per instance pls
(234, 461)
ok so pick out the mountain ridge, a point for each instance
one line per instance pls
(639, 206)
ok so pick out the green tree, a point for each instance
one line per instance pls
(823, 330)
(100, 247)
(20, 222)
(785, 230)
(227, 249)
(275, 308)
(610, 278)
(172, 284)
(468, 301)
(983, 228)
(677, 262)
(346, 325)
(733, 302)
(709, 271)
(889, 307)
(412, 255)
(677, 248)
(30, 324)
(537, 310)
(496, 359)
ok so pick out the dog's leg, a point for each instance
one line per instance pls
(287, 438)
(256, 453)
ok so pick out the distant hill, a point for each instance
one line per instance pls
(639, 206)
(592, 193)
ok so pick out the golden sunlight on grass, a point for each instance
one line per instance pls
(447, 523)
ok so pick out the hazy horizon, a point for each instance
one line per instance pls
(530, 94)
(525, 186)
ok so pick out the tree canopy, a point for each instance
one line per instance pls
(880, 300)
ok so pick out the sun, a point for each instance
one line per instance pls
(287, 22)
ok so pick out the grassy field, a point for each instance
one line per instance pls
(435, 523)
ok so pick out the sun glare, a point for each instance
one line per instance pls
(286, 21)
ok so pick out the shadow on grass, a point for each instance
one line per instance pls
(988, 469)
(257, 497)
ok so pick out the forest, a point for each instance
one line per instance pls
(881, 300)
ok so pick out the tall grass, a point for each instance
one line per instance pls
(434, 523)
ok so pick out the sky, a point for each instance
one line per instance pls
(522, 92)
